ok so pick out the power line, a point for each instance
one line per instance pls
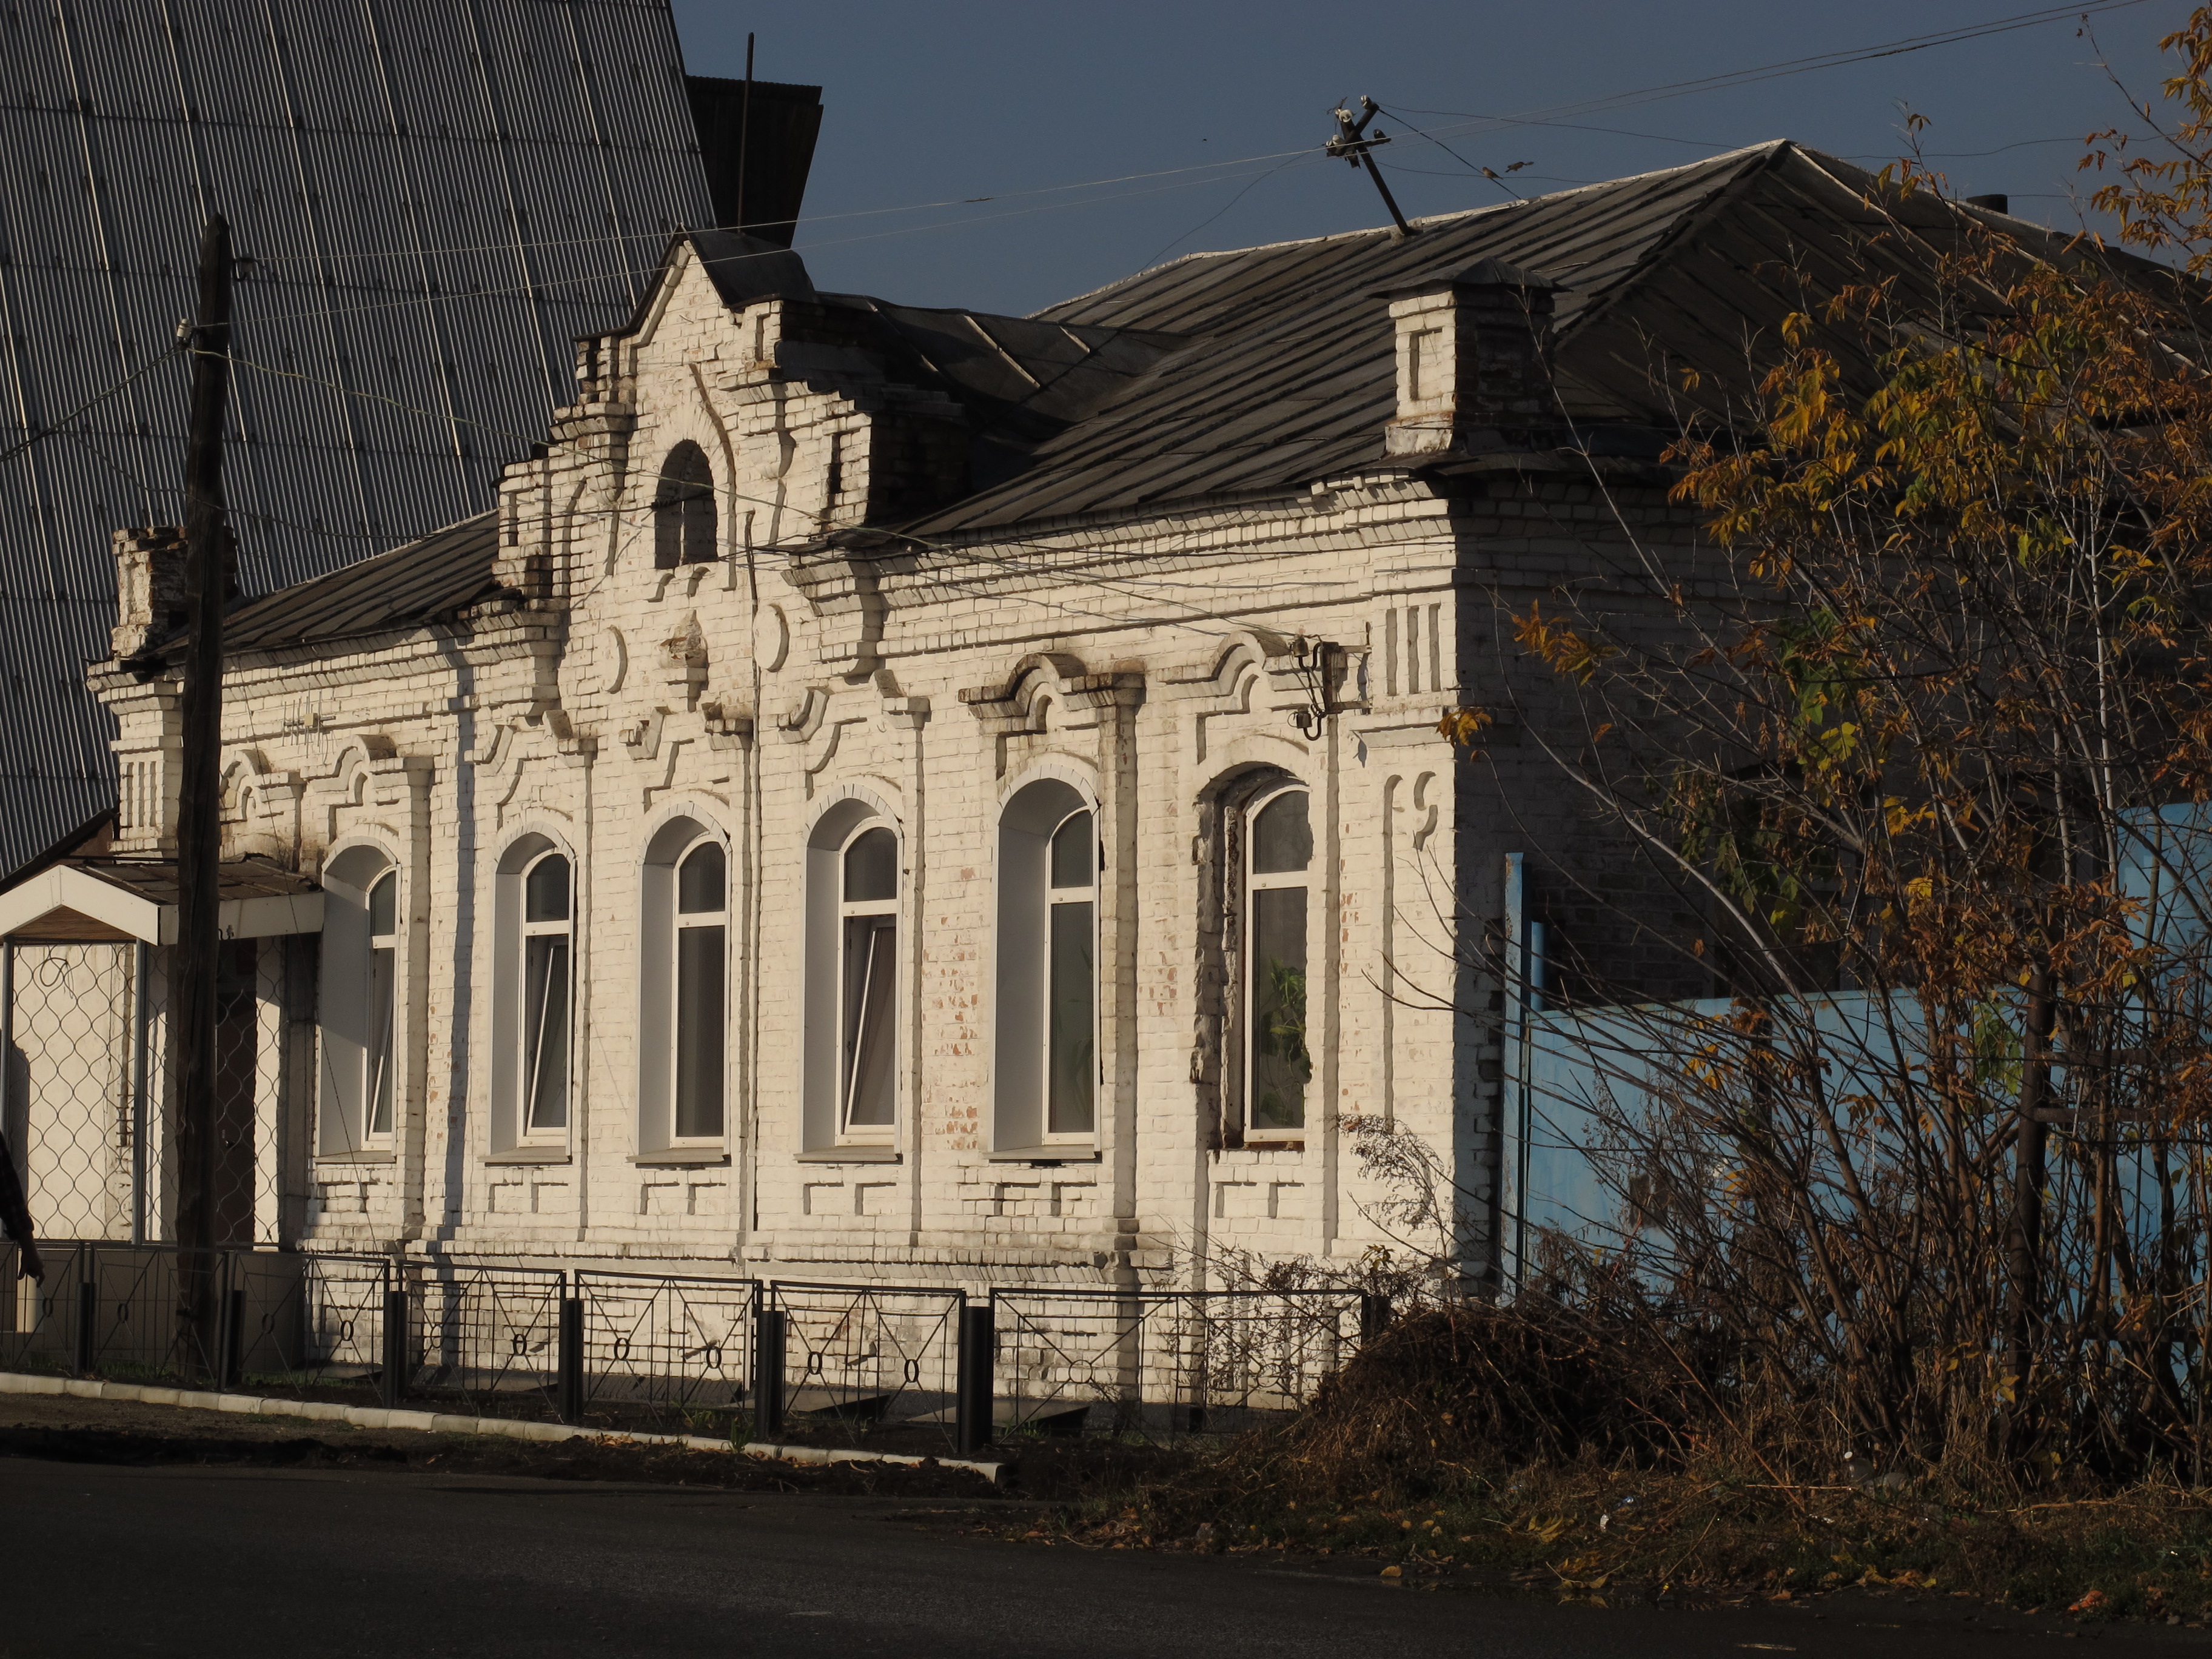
(1550, 114)
(421, 296)
(1538, 117)
(781, 550)
(40, 435)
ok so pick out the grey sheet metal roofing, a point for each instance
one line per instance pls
(1287, 370)
(427, 580)
(430, 200)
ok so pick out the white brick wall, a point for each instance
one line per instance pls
(750, 693)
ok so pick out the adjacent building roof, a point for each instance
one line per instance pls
(1288, 374)
(428, 202)
(429, 580)
(115, 900)
(1264, 369)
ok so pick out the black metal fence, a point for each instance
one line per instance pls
(919, 1369)
(1159, 1364)
(668, 1350)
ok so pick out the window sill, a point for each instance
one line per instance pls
(1269, 1146)
(679, 1158)
(851, 1155)
(1072, 1154)
(323, 1158)
(531, 1155)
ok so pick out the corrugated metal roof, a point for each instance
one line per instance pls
(426, 580)
(430, 199)
(1289, 375)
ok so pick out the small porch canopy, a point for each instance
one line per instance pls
(84, 901)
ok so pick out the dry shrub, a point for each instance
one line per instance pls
(1453, 1390)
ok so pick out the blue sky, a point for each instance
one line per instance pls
(938, 103)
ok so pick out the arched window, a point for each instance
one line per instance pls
(359, 997)
(542, 1067)
(701, 1006)
(850, 1065)
(1277, 1066)
(683, 945)
(1046, 1084)
(383, 980)
(1070, 1023)
(684, 509)
(867, 978)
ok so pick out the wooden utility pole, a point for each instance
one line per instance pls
(745, 133)
(1353, 143)
(199, 827)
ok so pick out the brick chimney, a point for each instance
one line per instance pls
(1474, 363)
(150, 586)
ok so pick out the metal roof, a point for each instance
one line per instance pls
(117, 899)
(427, 580)
(430, 200)
(1289, 373)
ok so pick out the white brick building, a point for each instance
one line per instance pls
(946, 798)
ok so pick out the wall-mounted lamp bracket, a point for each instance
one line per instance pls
(1311, 660)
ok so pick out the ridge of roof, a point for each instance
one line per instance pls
(1765, 147)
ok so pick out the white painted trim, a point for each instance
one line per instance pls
(67, 887)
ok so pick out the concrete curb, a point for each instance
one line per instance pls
(372, 1417)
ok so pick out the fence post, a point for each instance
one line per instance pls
(230, 1362)
(1375, 1315)
(570, 1388)
(768, 1371)
(974, 1390)
(393, 1385)
(88, 1313)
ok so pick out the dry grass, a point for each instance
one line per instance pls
(1537, 1453)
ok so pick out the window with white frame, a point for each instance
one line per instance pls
(684, 1017)
(701, 1004)
(359, 999)
(383, 982)
(850, 1062)
(1277, 1064)
(1071, 1021)
(1046, 1078)
(867, 978)
(542, 1067)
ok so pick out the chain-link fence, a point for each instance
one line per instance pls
(1162, 1364)
(84, 1096)
(262, 1321)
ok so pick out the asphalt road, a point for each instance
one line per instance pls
(185, 1561)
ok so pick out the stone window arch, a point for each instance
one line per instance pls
(1046, 1075)
(684, 517)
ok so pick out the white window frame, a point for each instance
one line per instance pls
(380, 1082)
(1055, 899)
(1256, 882)
(1029, 817)
(848, 1133)
(679, 922)
(346, 1041)
(528, 1133)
